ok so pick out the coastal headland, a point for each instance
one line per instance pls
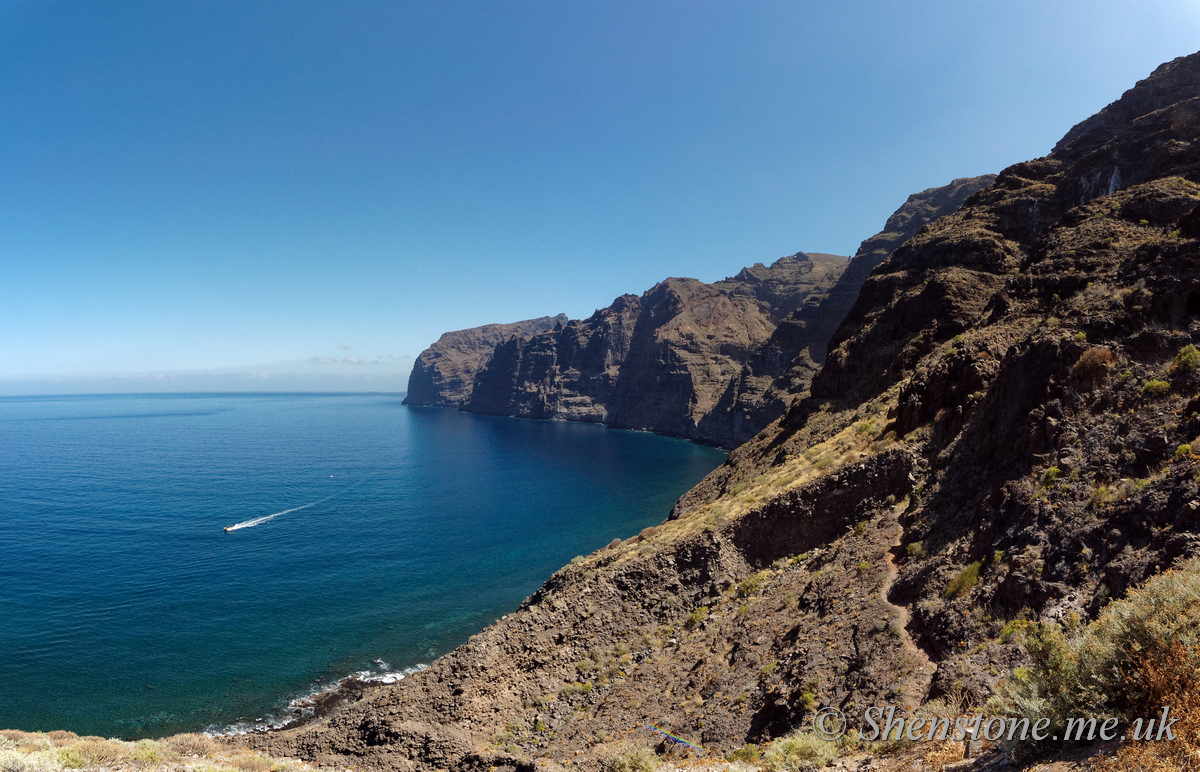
(985, 498)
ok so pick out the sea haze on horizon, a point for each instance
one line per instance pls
(370, 531)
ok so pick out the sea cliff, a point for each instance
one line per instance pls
(714, 363)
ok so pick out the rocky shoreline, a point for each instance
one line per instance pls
(320, 702)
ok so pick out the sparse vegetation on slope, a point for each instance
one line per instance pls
(58, 751)
(1140, 654)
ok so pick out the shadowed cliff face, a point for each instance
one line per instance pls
(1005, 429)
(674, 360)
(709, 362)
(444, 373)
(686, 358)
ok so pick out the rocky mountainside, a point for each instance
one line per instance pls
(1004, 431)
(714, 363)
(798, 346)
(444, 373)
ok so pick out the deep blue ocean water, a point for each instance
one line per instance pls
(127, 609)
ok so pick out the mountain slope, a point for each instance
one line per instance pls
(1027, 350)
(1003, 431)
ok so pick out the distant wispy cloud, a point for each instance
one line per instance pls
(359, 361)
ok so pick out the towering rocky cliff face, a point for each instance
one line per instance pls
(675, 360)
(1004, 430)
(444, 373)
(798, 346)
(709, 362)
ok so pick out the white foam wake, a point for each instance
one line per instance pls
(258, 520)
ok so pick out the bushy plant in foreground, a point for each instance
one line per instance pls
(799, 753)
(15, 761)
(632, 758)
(1099, 670)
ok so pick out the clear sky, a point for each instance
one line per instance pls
(283, 194)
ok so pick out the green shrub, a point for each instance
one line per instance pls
(1012, 629)
(799, 753)
(696, 618)
(1183, 451)
(1101, 496)
(963, 581)
(1092, 671)
(1187, 359)
(69, 758)
(148, 751)
(752, 584)
(572, 689)
(748, 753)
(1155, 388)
(1050, 477)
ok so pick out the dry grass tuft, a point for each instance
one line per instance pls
(191, 744)
(253, 764)
(1093, 365)
(97, 752)
(62, 738)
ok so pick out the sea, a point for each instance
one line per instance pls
(206, 562)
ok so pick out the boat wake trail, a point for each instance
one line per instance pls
(259, 520)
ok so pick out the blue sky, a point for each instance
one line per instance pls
(263, 194)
